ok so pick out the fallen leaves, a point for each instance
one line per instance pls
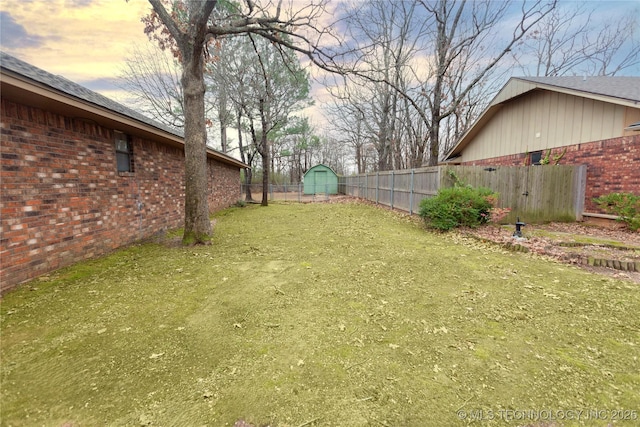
(390, 323)
(567, 242)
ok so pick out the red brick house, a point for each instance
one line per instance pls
(582, 120)
(82, 175)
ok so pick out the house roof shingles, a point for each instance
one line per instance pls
(74, 90)
(627, 88)
(18, 66)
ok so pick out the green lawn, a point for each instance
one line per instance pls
(318, 315)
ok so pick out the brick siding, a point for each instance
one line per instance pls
(63, 200)
(613, 165)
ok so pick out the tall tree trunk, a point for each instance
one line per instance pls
(434, 129)
(434, 143)
(264, 152)
(197, 227)
(358, 143)
(265, 170)
(272, 158)
(359, 157)
(248, 174)
(418, 159)
(443, 43)
(223, 116)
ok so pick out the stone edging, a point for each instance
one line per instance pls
(611, 263)
(577, 259)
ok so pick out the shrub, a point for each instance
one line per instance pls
(458, 206)
(625, 205)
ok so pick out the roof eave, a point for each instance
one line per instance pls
(21, 89)
(468, 135)
(576, 92)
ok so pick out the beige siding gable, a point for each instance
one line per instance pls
(515, 88)
(543, 119)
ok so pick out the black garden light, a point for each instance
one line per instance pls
(519, 225)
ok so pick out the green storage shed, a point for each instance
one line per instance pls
(320, 179)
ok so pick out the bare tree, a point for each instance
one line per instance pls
(616, 48)
(281, 87)
(218, 69)
(468, 43)
(187, 28)
(570, 40)
(438, 58)
(385, 37)
(265, 86)
(153, 79)
(348, 124)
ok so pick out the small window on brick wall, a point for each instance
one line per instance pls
(536, 156)
(124, 152)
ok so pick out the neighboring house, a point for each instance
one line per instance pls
(320, 179)
(82, 175)
(582, 120)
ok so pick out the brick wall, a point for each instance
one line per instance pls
(613, 165)
(63, 201)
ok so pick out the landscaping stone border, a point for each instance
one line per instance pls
(633, 266)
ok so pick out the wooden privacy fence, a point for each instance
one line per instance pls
(533, 193)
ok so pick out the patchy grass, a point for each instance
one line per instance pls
(328, 315)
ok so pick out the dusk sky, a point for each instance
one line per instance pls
(87, 41)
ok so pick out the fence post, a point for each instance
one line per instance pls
(326, 191)
(579, 188)
(377, 185)
(299, 194)
(285, 191)
(411, 193)
(365, 186)
(393, 183)
(271, 190)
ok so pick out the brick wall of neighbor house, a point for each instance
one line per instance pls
(612, 165)
(63, 201)
(224, 185)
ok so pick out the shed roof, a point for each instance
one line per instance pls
(22, 81)
(318, 165)
(615, 90)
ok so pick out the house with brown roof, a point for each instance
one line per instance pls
(82, 175)
(593, 121)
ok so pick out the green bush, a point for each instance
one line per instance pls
(625, 205)
(457, 206)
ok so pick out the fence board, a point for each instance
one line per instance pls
(534, 193)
